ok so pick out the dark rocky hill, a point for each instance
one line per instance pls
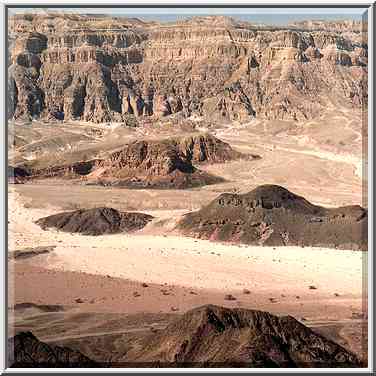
(212, 336)
(25, 350)
(272, 215)
(207, 336)
(95, 221)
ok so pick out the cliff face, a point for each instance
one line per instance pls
(100, 69)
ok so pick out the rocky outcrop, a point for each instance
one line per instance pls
(206, 148)
(17, 175)
(21, 254)
(212, 336)
(101, 69)
(25, 350)
(161, 157)
(97, 221)
(166, 163)
(273, 216)
(66, 170)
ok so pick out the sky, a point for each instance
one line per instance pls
(275, 16)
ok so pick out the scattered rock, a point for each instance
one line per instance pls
(359, 315)
(229, 297)
(20, 254)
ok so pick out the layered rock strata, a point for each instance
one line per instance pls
(101, 69)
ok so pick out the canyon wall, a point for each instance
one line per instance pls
(101, 69)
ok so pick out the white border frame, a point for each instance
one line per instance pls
(370, 263)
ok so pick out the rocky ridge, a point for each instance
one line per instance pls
(101, 69)
(213, 336)
(207, 336)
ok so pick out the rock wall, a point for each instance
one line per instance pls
(101, 69)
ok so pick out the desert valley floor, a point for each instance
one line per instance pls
(89, 290)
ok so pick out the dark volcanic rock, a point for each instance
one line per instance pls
(25, 350)
(95, 221)
(29, 252)
(216, 336)
(271, 215)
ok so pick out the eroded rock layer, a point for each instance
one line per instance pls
(100, 69)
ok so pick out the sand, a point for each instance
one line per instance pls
(186, 264)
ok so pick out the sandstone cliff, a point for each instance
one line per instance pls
(100, 69)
